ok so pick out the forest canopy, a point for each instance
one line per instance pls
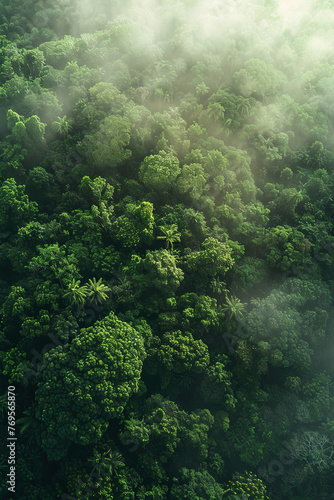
(167, 249)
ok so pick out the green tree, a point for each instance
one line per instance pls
(97, 190)
(214, 258)
(158, 270)
(135, 225)
(191, 484)
(33, 63)
(106, 149)
(76, 294)
(216, 386)
(97, 291)
(288, 324)
(316, 155)
(248, 486)
(40, 185)
(192, 180)
(15, 206)
(216, 111)
(285, 247)
(258, 79)
(171, 235)
(54, 262)
(62, 127)
(158, 172)
(178, 352)
(85, 384)
(29, 133)
(234, 307)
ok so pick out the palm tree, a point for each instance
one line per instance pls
(297, 197)
(244, 107)
(30, 425)
(234, 307)
(62, 126)
(76, 294)
(107, 463)
(28, 420)
(215, 111)
(218, 286)
(171, 235)
(97, 291)
(122, 289)
(227, 126)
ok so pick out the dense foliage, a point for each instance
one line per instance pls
(167, 248)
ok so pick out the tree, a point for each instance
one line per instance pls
(225, 104)
(216, 111)
(106, 462)
(314, 449)
(12, 119)
(214, 258)
(40, 185)
(248, 485)
(33, 62)
(97, 190)
(97, 291)
(192, 180)
(30, 425)
(15, 364)
(85, 384)
(29, 132)
(195, 133)
(17, 305)
(76, 294)
(171, 235)
(248, 272)
(173, 128)
(158, 172)
(106, 149)
(258, 79)
(316, 394)
(62, 127)
(15, 206)
(191, 484)
(106, 98)
(202, 89)
(317, 156)
(158, 270)
(200, 316)
(234, 307)
(11, 161)
(162, 430)
(54, 262)
(217, 286)
(178, 352)
(285, 247)
(135, 225)
(216, 386)
(285, 327)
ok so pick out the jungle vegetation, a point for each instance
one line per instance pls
(166, 248)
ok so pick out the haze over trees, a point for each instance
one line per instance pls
(166, 248)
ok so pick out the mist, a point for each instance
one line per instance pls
(291, 37)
